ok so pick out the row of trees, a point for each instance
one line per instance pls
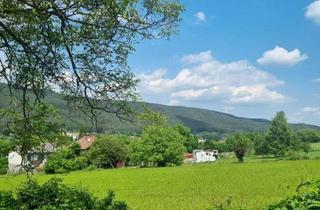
(158, 145)
(163, 145)
(280, 140)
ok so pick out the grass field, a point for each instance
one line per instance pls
(252, 184)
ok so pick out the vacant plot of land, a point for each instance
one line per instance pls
(251, 184)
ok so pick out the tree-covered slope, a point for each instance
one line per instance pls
(199, 120)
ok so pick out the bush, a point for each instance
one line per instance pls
(55, 195)
(5, 147)
(3, 165)
(108, 150)
(241, 145)
(221, 146)
(65, 160)
(159, 146)
(309, 199)
(190, 140)
(309, 135)
(295, 155)
(260, 144)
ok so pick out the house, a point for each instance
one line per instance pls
(73, 135)
(200, 156)
(205, 155)
(34, 158)
(86, 142)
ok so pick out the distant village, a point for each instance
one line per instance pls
(38, 157)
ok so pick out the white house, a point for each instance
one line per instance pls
(73, 135)
(204, 155)
(36, 157)
(14, 162)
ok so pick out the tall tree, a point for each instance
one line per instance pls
(240, 144)
(159, 146)
(190, 140)
(78, 47)
(279, 136)
(108, 150)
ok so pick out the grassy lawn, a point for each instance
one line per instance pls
(252, 184)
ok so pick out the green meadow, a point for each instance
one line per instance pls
(252, 184)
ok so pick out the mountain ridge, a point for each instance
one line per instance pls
(198, 119)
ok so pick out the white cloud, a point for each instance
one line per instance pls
(207, 79)
(197, 58)
(282, 57)
(311, 109)
(200, 16)
(313, 12)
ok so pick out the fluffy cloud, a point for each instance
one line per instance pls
(313, 12)
(282, 57)
(311, 109)
(200, 16)
(197, 58)
(207, 79)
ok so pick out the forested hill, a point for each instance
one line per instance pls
(199, 120)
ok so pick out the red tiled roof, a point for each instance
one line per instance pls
(86, 142)
(187, 155)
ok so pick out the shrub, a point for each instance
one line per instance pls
(309, 199)
(7, 201)
(260, 144)
(3, 165)
(309, 135)
(80, 163)
(55, 195)
(107, 151)
(5, 147)
(159, 146)
(295, 155)
(241, 145)
(221, 146)
(65, 160)
(190, 140)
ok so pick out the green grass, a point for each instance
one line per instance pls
(252, 184)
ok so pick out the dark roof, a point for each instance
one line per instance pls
(46, 147)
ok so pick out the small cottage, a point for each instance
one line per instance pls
(36, 157)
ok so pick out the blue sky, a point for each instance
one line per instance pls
(250, 58)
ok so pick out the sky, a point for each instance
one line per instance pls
(250, 58)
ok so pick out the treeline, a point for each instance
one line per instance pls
(163, 145)
(280, 141)
(158, 145)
